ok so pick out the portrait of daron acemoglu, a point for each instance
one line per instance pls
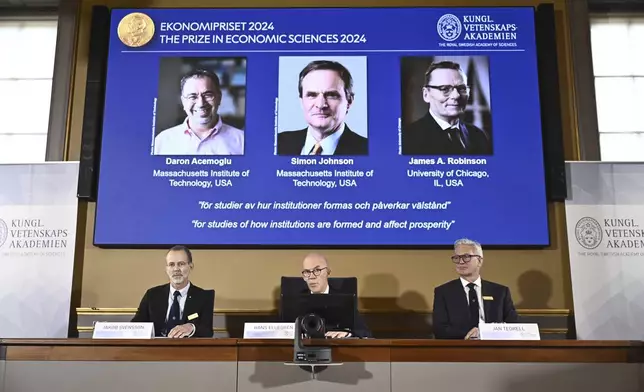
(201, 106)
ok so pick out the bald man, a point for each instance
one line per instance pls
(315, 272)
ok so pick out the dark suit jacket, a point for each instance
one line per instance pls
(154, 307)
(451, 317)
(350, 143)
(425, 137)
(360, 328)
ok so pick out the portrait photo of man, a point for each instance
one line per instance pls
(314, 107)
(201, 107)
(446, 106)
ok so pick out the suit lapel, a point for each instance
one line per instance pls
(435, 130)
(461, 302)
(465, 135)
(191, 304)
(299, 140)
(487, 305)
(437, 135)
(162, 303)
(343, 142)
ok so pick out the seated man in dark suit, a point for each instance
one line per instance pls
(440, 131)
(461, 304)
(315, 272)
(178, 309)
(326, 94)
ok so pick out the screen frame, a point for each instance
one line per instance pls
(544, 96)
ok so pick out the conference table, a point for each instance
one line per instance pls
(245, 365)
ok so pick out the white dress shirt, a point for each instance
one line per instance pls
(182, 304)
(479, 296)
(223, 139)
(328, 144)
(182, 300)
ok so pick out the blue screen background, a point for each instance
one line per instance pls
(508, 208)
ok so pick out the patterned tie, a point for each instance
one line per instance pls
(455, 138)
(317, 149)
(474, 305)
(174, 318)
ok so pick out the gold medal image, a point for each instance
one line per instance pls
(135, 29)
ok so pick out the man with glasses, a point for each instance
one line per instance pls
(315, 272)
(440, 131)
(461, 304)
(202, 132)
(178, 309)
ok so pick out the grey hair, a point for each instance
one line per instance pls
(469, 242)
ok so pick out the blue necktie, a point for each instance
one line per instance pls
(174, 318)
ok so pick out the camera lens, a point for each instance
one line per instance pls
(313, 325)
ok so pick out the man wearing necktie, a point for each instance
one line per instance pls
(462, 304)
(441, 131)
(326, 94)
(178, 309)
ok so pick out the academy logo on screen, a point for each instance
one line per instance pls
(475, 31)
(588, 233)
(4, 232)
(135, 29)
(449, 27)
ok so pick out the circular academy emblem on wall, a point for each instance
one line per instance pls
(4, 232)
(449, 27)
(588, 233)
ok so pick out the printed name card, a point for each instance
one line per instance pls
(121, 330)
(269, 330)
(509, 332)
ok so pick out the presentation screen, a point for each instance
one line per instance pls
(322, 127)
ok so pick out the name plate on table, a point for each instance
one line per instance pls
(121, 330)
(269, 330)
(509, 332)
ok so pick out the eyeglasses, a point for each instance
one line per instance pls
(465, 258)
(207, 96)
(447, 89)
(315, 272)
(179, 264)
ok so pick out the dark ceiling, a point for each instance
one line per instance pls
(594, 5)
